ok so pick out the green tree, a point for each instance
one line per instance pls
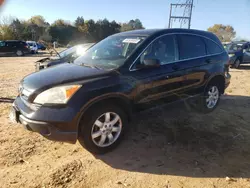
(132, 25)
(224, 32)
(79, 21)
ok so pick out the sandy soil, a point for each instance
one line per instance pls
(172, 147)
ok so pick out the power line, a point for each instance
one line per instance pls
(185, 17)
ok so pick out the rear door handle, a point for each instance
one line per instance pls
(175, 67)
(208, 61)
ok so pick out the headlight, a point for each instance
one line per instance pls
(57, 95)
(231, 55)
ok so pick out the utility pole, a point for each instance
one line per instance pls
(186, 15)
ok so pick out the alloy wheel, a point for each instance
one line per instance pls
(106, 129)
(213, 97)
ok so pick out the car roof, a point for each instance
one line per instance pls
(14, 41)
(148, 32)
(236, 42)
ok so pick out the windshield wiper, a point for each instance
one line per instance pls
(91, 66)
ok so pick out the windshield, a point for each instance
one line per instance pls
(111, 52)
(67, 52)
(77, 50)
(233, 47)
(30, 44)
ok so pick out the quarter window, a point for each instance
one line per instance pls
(163, 48)
(212, 47)
(2, 44)
(191, 46)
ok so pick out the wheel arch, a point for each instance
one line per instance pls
(217, 78)
(116, 99)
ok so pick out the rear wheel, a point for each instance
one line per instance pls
(19, 53)
(102, 128)
(210, 98)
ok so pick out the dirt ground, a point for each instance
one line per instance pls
(166, 147)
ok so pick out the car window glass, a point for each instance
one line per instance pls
(191, 47)
(2, 44)
(162, 49)
(212, 47)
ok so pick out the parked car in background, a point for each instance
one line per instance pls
(33, 47)
(239, 53)
(66, 56)
(93, 98)
(40, 46)
(17, 47)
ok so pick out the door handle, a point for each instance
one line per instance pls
(208, 61)
(175, 67)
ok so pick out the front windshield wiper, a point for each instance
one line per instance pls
(91, 66)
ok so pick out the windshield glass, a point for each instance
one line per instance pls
(111, 52)
(30, 44)
(77, 50)
(67, 52)
(233, 47)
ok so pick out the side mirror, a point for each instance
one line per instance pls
(149, 63)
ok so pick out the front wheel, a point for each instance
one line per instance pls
(102, 128)
(19, 53)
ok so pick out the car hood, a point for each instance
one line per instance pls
(61, 74)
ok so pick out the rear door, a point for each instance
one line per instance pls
(164, 82)
(246, 54)
(192, 58)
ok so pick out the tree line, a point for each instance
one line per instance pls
(36, 28)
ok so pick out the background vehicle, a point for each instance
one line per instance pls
(33, 47)
(41, 46)
(239, 53)
(16, 47)
(66, 56)
(93, 98)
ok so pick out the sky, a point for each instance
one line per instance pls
(152, 13)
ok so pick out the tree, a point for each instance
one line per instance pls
(62, 32)
(132, 25)
(79, 21)
(6, 33)
(224, 32)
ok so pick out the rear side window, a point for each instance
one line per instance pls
(212, 47)
(191, 46)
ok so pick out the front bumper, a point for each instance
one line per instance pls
(232, 59)
(47, 129)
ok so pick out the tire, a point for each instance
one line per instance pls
(19, 53)
(204, 106)
(91, 133)
(237, 64)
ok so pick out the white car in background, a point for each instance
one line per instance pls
(33, 46)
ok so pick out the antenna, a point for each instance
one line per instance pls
(186, 15)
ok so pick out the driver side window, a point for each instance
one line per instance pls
(248, 48)
(163, 49)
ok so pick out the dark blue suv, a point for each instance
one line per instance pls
(94, 98)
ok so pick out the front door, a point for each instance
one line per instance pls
(3, 48)
(159, 83)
